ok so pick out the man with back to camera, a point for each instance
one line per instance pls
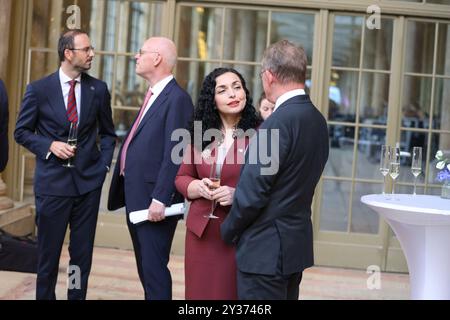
(144, 176)
(270, 219)
(67, 196)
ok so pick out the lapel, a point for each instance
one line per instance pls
(156, 105)
(87, 94)
(56, 100)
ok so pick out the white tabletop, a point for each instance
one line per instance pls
(407, 208)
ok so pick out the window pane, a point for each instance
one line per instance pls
(103, 68)
(369, 149)
(245, 35)
(408, 140)
(374, 97)
(99, 18)
(446, 2)
(295, 27)
(42, 64)
(364, 219)
(138, 21)
(335, 205)
(378, 46)
(416, 99)
(49, 18)
(443, 50)
(200, 32)
(347, 41)
(130, 89)
(441, 113)
(343, 94)
(340, 160)
(419, 47)
(190, 76)
(123, 120)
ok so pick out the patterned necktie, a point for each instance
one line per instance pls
(72, 113)
(123, 155)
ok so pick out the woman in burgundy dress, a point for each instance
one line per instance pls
(226, 113)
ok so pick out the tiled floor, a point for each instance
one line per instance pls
(114, 276)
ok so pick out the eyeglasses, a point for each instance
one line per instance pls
(86, 50)
(141, 52)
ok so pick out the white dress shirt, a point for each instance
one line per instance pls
(286, 96)
(156, 91)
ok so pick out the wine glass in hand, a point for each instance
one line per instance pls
(214, 176)
(416, 164)
(72, 141)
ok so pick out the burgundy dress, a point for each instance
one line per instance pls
(210, 264)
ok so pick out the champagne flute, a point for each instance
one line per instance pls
(394, 169)
(214, 176)
(385, 160)
(416, 164)
(72, 141)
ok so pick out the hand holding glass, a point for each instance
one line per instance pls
(416, 164)
(214, 176)
(72, 141)
(385, 160)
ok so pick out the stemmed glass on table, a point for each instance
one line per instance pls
(385, 161)
(416, 164)
(394, 168)
(214, 176)
(72, 141)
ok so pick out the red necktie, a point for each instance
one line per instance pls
(123, 155)
(72, 114)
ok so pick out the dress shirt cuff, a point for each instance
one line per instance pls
(157, 201)
(48, 155)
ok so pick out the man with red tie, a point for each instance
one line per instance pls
(144, 176)
(67, 195)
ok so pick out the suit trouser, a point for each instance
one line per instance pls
(253, 286)
(53, 215)
(152, 242)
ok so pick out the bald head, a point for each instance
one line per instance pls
(166, 48)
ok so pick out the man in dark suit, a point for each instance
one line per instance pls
(270, 220)
(144, 174)
(67, 196)
(3, 126)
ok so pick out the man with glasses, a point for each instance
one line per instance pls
(67, 195)
(144, 176)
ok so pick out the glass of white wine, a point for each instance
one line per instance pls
(416, 164)
(72, 141)
(385, 160)
(394, 168)
(214, 176)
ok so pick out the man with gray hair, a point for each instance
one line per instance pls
(270, 220)
(144, 177)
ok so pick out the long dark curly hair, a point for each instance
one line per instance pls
(206, 110)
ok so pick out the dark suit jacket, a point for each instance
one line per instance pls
(271, 214)
(42, 120)
(3, 127)
(149, 170)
